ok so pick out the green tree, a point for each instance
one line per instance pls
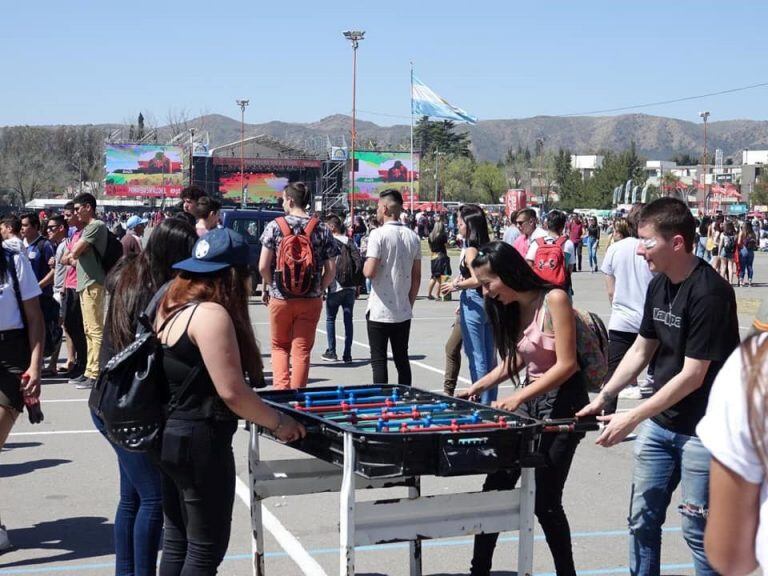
(456, 179)
(488, 183)
(429, 136)
(29, 164)
(517, 167)
(759, 196)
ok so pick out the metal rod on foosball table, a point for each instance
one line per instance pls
(502, 423)
(339, 392)
(346, 407)
(347, 509)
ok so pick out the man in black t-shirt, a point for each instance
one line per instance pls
(690, 318)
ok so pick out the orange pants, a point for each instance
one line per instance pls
(293, 323)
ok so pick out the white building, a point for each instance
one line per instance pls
(586, 164)
(754, 157)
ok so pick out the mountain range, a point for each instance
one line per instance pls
(655, 137)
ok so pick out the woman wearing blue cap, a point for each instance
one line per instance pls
(209, 345)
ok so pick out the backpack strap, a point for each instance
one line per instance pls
(16, 288)
(282, 223)
(540, 242)
(561, 241)
(311, 225)
(147, 318)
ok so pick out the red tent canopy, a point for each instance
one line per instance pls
(430, 207)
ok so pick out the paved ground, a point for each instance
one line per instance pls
(59, 479)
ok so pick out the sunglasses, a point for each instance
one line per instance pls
(648, 243)
(52, 227)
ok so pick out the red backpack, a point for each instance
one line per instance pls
(295, 265)
(549, 262)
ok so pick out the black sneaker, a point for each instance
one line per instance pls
(87, 384)
(77, 380)
(347, 359)
(329, 356)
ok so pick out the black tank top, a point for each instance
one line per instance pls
(199, 401)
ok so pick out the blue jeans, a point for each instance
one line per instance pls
(664, 459)
(346, 300)
(701, 249)
(746, 260)
(139, 516)
(592, 247)
(477, 339)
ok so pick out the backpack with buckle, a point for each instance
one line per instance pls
(295, 261)
(549, 261)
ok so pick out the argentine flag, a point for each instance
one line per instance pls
(426, 103)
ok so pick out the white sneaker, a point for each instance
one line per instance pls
(5, 543)
(631, 393)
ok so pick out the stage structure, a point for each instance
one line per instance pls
(143, 170)
(268, 166)
(377, 170)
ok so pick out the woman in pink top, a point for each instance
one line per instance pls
(534, 328)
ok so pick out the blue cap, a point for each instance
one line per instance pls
(134, 221)
(219, 249)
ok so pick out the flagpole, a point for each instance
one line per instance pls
(413, 166)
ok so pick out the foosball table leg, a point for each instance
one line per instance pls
(527, 504)
(347, 510)
(414, 546)
(257, 526)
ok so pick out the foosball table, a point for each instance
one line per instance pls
(385, 436)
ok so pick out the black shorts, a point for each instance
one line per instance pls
(14, 360)
(441, 266)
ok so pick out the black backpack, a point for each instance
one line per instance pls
(349, 265)
(132, 396)
(112, 253)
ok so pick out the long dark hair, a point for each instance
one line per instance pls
(134, 281)
(229, 288)
(507, 263)
(477, 225)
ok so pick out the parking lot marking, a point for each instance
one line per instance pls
(285, 539)
(414, 362)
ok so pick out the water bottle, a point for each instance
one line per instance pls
(34, 412)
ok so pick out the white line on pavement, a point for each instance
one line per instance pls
(287, 541)
(414, 362)
(63, 400)
(54, 432)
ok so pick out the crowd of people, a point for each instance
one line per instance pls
(665, 274)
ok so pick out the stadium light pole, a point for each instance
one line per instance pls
(704, 116)
(242, 104)
(354, 37)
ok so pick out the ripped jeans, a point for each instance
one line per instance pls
(664, 459)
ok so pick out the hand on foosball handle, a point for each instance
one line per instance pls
(509, 404)
(288, 430)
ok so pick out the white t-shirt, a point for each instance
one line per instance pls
(510, 234)
(724, 431)
(568, 248)
(10, 315)
(396, 247)
(632, 278)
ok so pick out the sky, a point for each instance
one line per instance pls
(79, 62)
